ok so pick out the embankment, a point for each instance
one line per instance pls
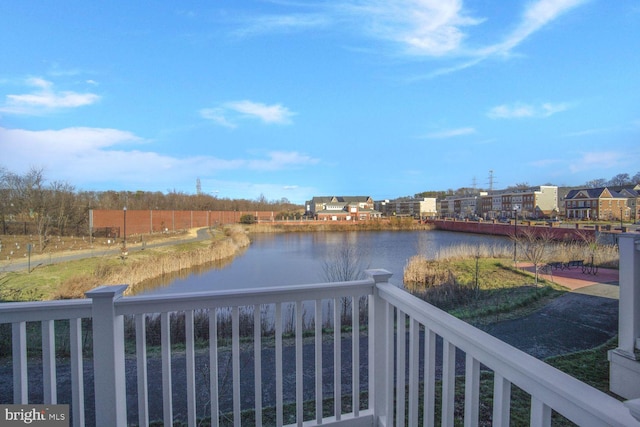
(136, 270)
(555, 231)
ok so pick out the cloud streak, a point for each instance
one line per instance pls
(451, 133)
(520, 110)
(105, 155)
(281, 24)
(44, 99)
(418, 28)
(228, 114)
(598, 160)
(537, 15)
(421, 27)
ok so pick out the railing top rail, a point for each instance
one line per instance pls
(572, 398)
(44, 310)
(241, 297)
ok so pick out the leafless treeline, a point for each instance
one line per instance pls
(29, 203)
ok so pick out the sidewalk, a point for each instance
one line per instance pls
(603, 284)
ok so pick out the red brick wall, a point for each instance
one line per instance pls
(488, 227)
(152, 221)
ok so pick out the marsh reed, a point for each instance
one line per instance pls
(154, 264)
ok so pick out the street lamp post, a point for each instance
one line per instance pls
(621, 219)
(515, 235)
(124, 242)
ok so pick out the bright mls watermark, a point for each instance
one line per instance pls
(34, 415)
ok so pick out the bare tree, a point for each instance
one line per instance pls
(620, 179)
(596, 183)
(345, 264)
(535, 246)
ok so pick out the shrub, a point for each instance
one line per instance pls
(247, 219)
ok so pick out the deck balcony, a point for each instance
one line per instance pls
(358, 353)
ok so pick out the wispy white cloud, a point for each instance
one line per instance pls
(277, 160)
(217, 115)
(109, 155)
(44, 99)
(543, 163)
(537, 15)
(594, 160)
(589, 132)
(275, 113)
(520, 110)
(451, 133)
(281, 24)
(444, 32)
(229, 113)
(422, 27)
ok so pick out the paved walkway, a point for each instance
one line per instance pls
(603, 284)
(578, 320)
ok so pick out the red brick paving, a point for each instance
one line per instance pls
(573, 278)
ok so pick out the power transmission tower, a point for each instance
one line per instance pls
(491, 180)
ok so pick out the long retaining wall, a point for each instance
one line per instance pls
(116, 222)
(555, 231)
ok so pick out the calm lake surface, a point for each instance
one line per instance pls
(298, 258)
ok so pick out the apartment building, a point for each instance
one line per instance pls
(533, 202)
(409, 207)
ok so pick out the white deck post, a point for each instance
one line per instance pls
(378, 346)
(625, 360)
(108, 357)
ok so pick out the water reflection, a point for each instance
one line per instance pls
(185, 274)
(297, 258)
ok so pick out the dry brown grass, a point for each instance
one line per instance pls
(153, 264)
(603, 255)
(371, 225)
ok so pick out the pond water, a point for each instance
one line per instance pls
(298, 258)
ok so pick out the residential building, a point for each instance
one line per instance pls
(632, 193)
(443, 208)
(467, 206)
(342, 208)
(416, 208)
(597, 204)
(532, 202)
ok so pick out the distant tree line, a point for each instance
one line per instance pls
(619, 180)
(29, 202)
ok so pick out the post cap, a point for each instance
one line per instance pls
(107, 291)
(379, 275)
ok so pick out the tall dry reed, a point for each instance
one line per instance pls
(421, 270)
(395, 224)
(135, 271)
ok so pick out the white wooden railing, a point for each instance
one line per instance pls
(398, 334)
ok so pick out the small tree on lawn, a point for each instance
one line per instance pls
(535, 247)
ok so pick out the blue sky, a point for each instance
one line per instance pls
(302, 98)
